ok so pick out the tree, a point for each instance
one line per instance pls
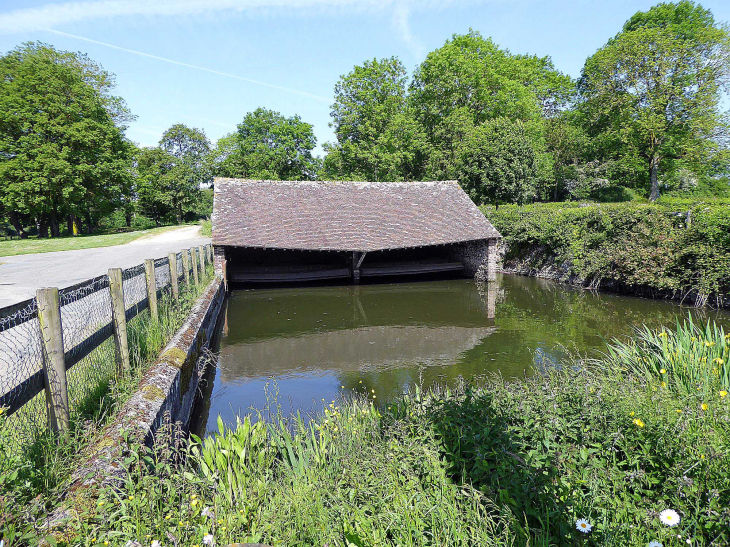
(653, 91)
(377, 135)
(62, 145)
(270, 146)
(498, 163)
(470, 80)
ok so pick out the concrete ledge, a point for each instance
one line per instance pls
(166, 395)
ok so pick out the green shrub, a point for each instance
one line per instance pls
(627, 245)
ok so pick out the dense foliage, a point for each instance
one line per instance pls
(268, 146)
(63, 154)
(652, 92)
(646, 248)
(499, 463)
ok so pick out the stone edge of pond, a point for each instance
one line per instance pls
(165, 395)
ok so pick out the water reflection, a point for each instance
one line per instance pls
(315, 342)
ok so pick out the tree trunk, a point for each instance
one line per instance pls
(128, 218)
(43, 226)
(70, 224)
(653, 170)
(53, 222)
(17, 224)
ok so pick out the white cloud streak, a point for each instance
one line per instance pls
(400, 20)
(194, 67)
(59, 14)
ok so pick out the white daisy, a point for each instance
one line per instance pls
(582, 525)
(207, 512)
(655, 544)
(208, 539)
(669, 517)
(155, 544)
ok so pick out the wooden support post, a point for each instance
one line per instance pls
(186, 266)
(211, 255)
(119, 320)
(194, 260)
(149, 270)
(201, 255)
(54, 363)
(172, 259)
(225, 274)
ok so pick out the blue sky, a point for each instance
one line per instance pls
(299, 48)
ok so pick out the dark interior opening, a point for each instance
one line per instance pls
(254, 265)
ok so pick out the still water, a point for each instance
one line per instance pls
(302, 345)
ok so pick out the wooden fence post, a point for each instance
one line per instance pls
(172, 259)
(54, 363)
(119, 320)
(201, 255)
(186, 266)
(149, 270)
(210, 254)
(194, 260)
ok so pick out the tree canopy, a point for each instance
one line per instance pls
(653, 91)
(268, 145)
(62, 147)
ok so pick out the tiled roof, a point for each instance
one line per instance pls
(344, 216)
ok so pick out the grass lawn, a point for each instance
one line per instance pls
(72, 243)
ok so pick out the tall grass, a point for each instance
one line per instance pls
(688, 359)
(501, 463)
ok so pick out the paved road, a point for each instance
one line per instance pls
(21, 275)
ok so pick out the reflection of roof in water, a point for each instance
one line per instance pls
(271, 313)
(350, 349)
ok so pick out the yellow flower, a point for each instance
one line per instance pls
(678, 411)
(631, 413)
(193, 503)
(664, 384)
(718, 361)
(663, 371)
(638, 422)
(723, 394)
(663, 334)
(704, 406)
(131, 498)
(709, 344)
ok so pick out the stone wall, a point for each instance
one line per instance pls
(479, 258)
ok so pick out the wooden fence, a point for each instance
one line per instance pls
(42, 339)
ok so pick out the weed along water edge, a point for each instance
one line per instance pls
(305, 345)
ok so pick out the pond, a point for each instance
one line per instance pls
(296, 346)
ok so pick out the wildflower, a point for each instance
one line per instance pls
(631, 413)
(723, 394)
(669, 517)
(704, 406)
(155, 544)
(208, 539)
(709, 344)
(582, 525)
(678, 411)
(655, 544)
(193, 503)
(718, 361)
(207, 512)
(663, 334)
(664, 384)
(663, 371)
(131, 498)
(638, 422)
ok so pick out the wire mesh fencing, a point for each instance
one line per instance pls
(91, 358)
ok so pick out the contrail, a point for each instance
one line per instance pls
(194, 67)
